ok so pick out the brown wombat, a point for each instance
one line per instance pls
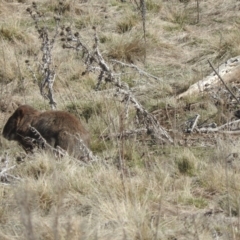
(58, 128)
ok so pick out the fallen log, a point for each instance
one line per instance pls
(229, 71)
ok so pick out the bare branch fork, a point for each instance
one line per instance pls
(47, 71)
(95, 62)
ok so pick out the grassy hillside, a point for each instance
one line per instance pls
(139, 188)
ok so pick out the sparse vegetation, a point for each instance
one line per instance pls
(138, 188)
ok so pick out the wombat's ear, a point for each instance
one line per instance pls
(15, 105)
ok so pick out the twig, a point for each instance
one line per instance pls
(194, 123)
(143, 10)
(6, 169)
(141, 72)
(141, 7)
(4, 175)
(198, 11)
(31, 71)
(125, 134)
(87, 153)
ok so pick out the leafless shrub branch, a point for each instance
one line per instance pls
(94, 61)
(46, 68)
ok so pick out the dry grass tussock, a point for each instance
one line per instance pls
(138, 188)
(62, 200)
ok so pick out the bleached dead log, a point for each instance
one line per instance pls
(223, 82)
(229, 71)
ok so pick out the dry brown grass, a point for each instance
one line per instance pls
(186, 191)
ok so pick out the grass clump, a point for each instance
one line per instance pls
(154, 6)
(12, 34)
(182, 15)
(126, 25)
(185, 163)
(131, 153)
(86, 111)
(98, 146)
(185, 166)
(197, 202)
(227, 44)
(37, 169)
(126, 48)
(230, 204)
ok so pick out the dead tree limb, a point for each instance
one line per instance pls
(229, 127)
(47, 70)
(95, 62)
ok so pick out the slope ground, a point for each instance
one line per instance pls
(188, 190)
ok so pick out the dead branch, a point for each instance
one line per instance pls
(88, 155)
(47, 70)
(140, 71)
(147, 119)
(230, 128)
(193, 124)
(5, 177)
(125, 134)
(95, 62)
